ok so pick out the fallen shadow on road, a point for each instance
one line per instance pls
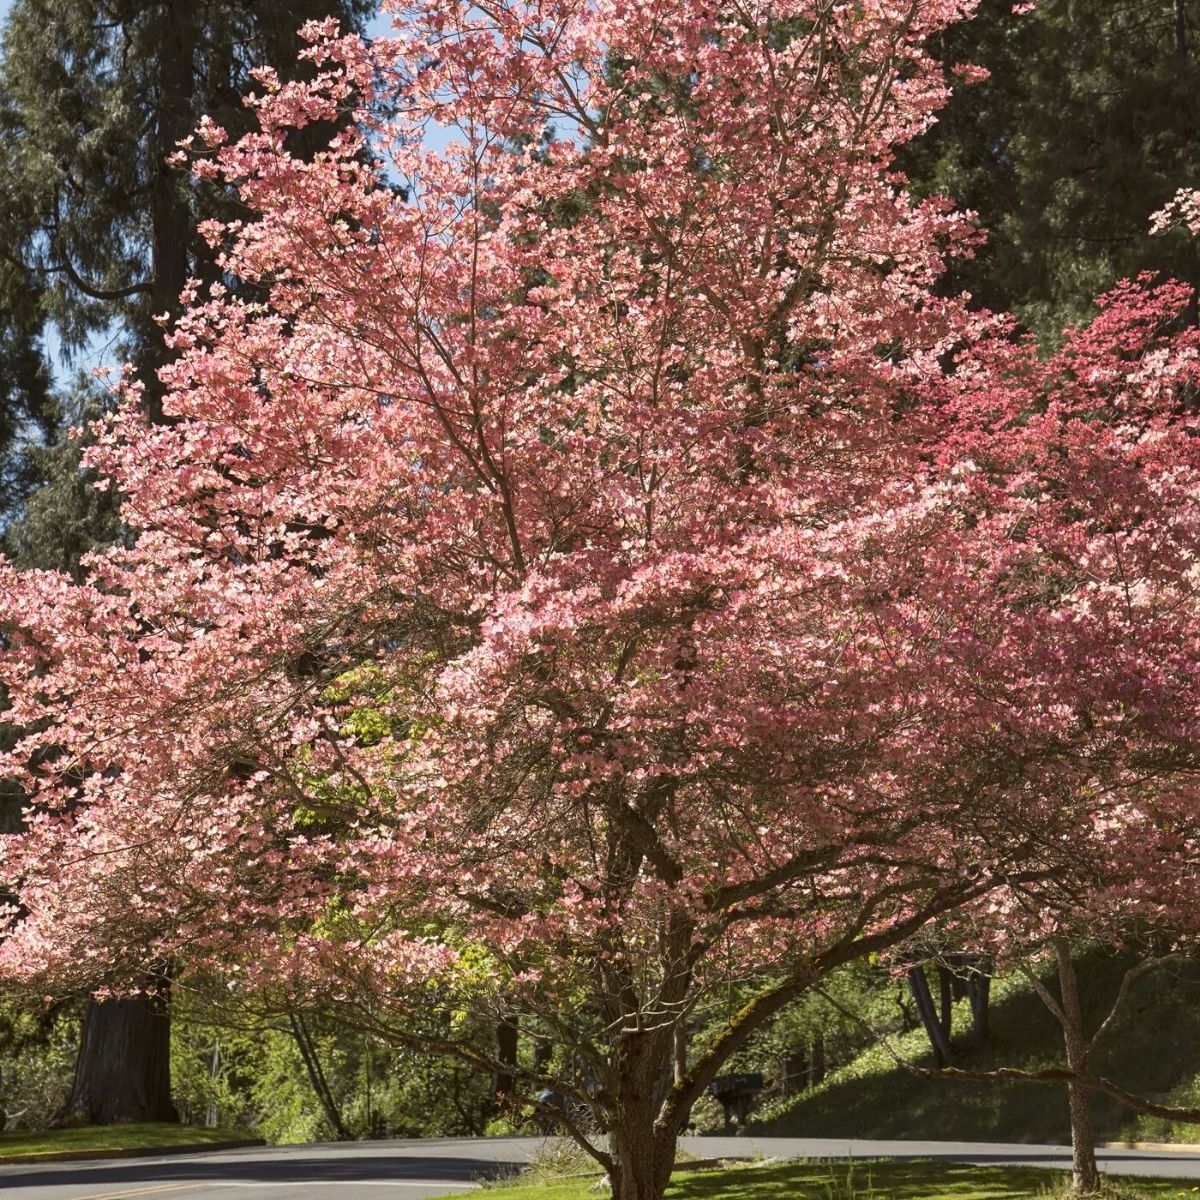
(356, 1168)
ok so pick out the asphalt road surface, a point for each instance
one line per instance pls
(414, 1170)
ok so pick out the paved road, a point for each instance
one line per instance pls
(415, 1170)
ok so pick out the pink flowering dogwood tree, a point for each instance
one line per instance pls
(1105, 414)
(601, 574)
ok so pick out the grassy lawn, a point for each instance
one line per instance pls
(111, 1137)
(863, 1181)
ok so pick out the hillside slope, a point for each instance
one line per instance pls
(1155, 1049)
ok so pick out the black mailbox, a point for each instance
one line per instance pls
(736, 1085)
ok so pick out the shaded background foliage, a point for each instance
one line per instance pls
(1087, 125)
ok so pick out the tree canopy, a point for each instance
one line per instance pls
(605, 567)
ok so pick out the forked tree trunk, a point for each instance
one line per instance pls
(642, 1151)
(316, 1076)
(938, 1039)
(1085, 1176)
(642, 1159)
(123, 1072)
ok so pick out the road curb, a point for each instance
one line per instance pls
(36, 1156)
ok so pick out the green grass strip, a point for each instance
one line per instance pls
(102, 1138)
(867, 1181)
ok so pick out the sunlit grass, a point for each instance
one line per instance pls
(110, 1137)
(865, 1181)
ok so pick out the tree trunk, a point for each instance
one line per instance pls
(928, 1014)
(316, 1077)
(946, 998)
(110, 1054)
(795, 1074)
(979, 987)
(641, 1146)
(171, 218)
(211, 1115)
(507, 1044)
(123, 1072)
(1085, 1176)
(642, 1161)
(816, 1060)
(680, 1056)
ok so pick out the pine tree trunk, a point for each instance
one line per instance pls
(171, 219)
(125, 1048)
(123, 1072)
(1085, 1176)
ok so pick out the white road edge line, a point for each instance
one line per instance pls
(421, 1183)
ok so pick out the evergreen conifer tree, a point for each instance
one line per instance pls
(1088, 124)
(99, 237)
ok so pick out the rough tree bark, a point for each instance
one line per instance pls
(641, 1144)
(171, 218)
(123, 1072)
